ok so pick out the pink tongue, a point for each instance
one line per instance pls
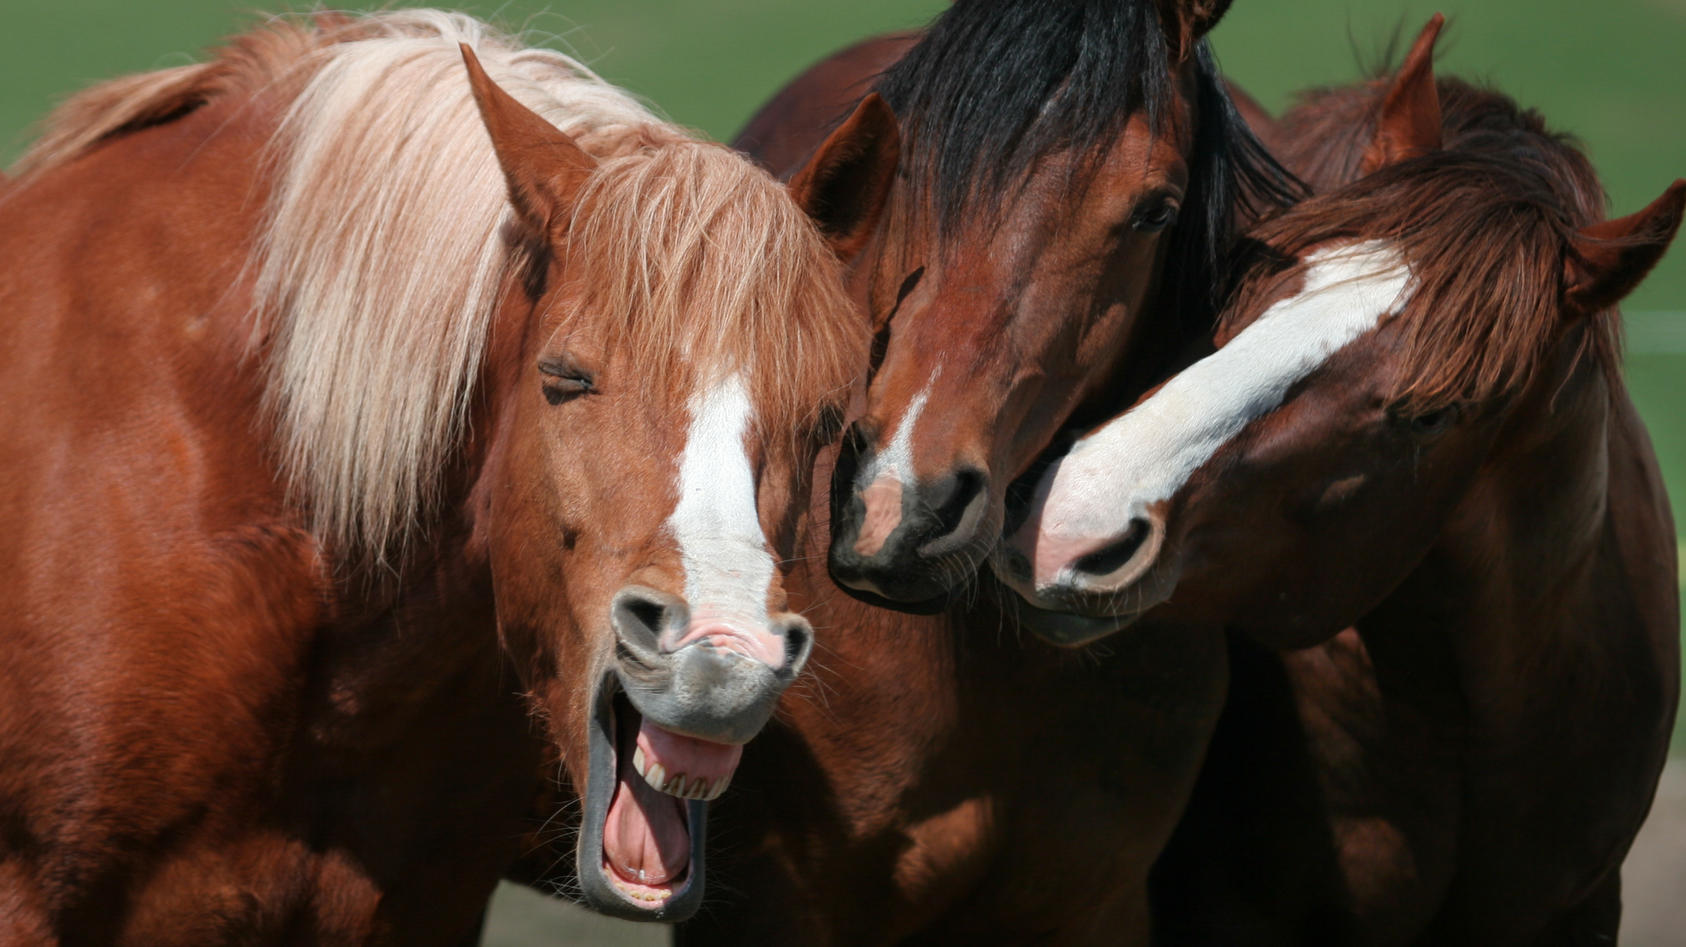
(644, 837)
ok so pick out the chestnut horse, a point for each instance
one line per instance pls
(1414, 428)
(414, 361)
(1058, 160)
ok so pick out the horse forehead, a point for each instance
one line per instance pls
(1346, 292)
(1158, 155)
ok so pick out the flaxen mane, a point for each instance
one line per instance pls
(384, 250)
(1485, 224)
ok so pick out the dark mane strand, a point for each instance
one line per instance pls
(996, 84)
(1233, 180)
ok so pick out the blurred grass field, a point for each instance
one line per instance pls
(1612, 73)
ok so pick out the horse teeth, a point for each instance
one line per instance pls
(656, 775)
(638, 760)
(649, 894)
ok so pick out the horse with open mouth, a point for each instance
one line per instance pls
(333, 362)
(1412, 445)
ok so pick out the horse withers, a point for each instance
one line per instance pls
(414, 357)
(1413, 427)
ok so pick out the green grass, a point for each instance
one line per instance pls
(1613, 73)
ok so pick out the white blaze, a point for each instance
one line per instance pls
(1145, 455)
(718, 528)
(897, 459)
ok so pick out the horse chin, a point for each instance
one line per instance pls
(612, 733)
(1068, 630)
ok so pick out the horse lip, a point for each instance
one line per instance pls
(1070, 629)
(599, 893)
(708, 693)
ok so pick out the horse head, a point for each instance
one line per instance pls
(1015, 277)
(677, 352)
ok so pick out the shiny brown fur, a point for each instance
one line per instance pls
(1469, 762)
(228, 717)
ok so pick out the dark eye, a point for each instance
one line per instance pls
(829, 425)
(564, 380)
(1154, 216)
(1430, 423)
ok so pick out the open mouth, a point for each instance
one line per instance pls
(646, 805)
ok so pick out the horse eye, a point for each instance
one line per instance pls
(1434, 422)
(1154, 217)
(829, 425)
(564, 381)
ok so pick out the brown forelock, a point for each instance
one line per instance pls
(1484, 232)
(698, 264)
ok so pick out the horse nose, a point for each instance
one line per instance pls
(1109, 564)
(897, 537)
(798, 638)
(957, 504)
(647, 622)
(707, 677)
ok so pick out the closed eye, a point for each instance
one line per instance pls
(564, 379)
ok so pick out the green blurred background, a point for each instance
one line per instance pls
(1613, 73)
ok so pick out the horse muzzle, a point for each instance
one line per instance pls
(668, 725)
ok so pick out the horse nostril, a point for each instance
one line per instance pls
(956, 504)
(1116, 556)
(646, 613)
(645, 619)
(798, 642)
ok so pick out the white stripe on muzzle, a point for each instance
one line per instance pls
(1146, 455)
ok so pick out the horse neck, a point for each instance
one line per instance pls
(1514, 585)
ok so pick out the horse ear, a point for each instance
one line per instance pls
(1409, 123)
(542, 165)
(846, 184)
(1186, 21)
(1606, 261)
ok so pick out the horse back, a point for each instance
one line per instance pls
(158, 585)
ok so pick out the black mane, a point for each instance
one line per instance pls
(995, 85)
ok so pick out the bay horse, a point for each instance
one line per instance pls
(1413, 448)
(428, 342)
(1060, 160)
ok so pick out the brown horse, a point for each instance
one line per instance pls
(394, 389)
(1413, 428)
(1016, 276)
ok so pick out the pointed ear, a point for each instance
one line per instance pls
(1409, 123)
(543, 166)
(1606, 261)
(846, 184)
(1186, 21)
